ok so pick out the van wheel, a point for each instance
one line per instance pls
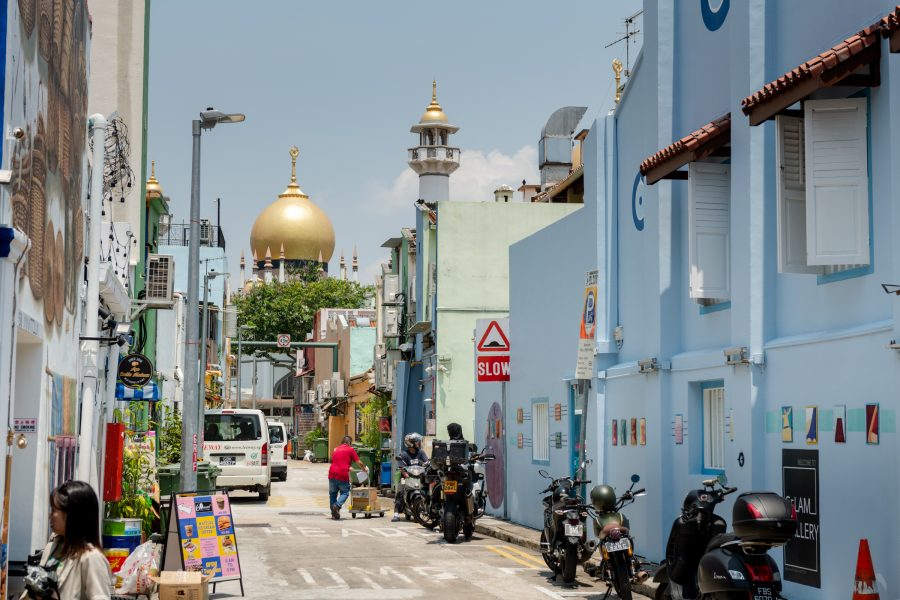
(264, 493)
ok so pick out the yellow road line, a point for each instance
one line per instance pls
(521, 552)
(502, 552)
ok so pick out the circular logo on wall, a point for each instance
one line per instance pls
(637, 202)
(714, 13)
(135, 370)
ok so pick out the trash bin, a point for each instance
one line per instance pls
(296, 451)
(386, 474)
(320, 449)
(207, 474)
(367, 456)
(169, 476)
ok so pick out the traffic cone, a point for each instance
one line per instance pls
(866, 588)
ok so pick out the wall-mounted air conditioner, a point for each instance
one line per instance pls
(326, 388)
(337, 385)
(390, 289)
(380, 372)
(160, 281)
(319, 395)
(311, 396)
(391, 322)
(205, 231)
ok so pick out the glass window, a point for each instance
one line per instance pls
(276, 434)
(714, 429)
(540, 430)
(231, 427)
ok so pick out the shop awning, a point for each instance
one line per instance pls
(854, 62)
(709, 140)
(890, 28)
(149, 392)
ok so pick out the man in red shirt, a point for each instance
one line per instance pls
(339, 475)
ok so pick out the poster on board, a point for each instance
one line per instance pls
(203, 535)
(800, 480)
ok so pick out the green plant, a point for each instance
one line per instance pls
(170, 439)
(137, 478)
(371, 413)
(311, 436)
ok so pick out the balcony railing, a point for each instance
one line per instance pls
(434, 153)
(179, 234)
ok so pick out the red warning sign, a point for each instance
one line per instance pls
(493, 339)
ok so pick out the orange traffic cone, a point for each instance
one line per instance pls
(866, 588)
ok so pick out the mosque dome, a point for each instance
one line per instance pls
(295, 222)
(154, 189)
(433, 113)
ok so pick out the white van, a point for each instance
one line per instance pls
(278, 458)
(237, 441)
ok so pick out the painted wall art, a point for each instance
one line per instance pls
(812, 425)
(634, 438)
(642, 431)
(872, 424)
(623, 432)
(615, 432)
(679, 429)
(840, 424)
(787, 424)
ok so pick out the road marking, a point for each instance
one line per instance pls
(437, 573)
(392, 572)
(351, 532)
(306, 576)
(547, 592)
(524, 554)
(364, 575)
(389, 531)
(315, 532)
(283, 530)
(502, 552)
(340, 584)
(276, 501)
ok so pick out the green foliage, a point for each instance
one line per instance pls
(310, 437)
(170, 439)
(268, 310)
(377, 406)
(136, 478)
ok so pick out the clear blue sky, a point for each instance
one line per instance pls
(344, 81)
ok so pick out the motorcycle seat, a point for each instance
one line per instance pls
(720, 540)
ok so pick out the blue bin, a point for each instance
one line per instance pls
(386, 474)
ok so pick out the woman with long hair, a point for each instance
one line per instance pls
(74, 550)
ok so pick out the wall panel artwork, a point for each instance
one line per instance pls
(812, 425)
(872, 424)
(840, 424)
(47, 94)
(615, 432)
(787, 424)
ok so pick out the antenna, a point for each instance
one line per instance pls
(626, 37)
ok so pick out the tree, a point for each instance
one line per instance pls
(290, 307)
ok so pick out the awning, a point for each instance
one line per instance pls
(707, 141)
(149, 392)
(839, 65)
(890, 28)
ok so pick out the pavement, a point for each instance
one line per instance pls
(290, 548)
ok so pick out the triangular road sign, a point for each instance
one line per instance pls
(493, 340)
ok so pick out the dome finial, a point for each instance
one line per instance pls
(295, 152)
(434, 91)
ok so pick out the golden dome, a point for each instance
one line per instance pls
(154, 190)
(433, 113)
(295, 222)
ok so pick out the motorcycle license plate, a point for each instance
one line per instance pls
(449, 487)
(763, 592)
(227, 460)
(574, 530)
(622, 544)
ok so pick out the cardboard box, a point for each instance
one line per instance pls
(363, 498)
(183, 585)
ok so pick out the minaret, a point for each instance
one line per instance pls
(281, 265)
(434, 159)
(267, 267)
(242, 269)
(322, 272)
(343, 267)
(255, 267)
(355, 265)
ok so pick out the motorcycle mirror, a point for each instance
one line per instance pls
(635, 478)
(722, 479)
(639, 494)
(544, 474)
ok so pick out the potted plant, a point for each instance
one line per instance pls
(134, 509)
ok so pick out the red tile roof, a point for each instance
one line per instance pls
(829, 68)
(890, 28)
(694, 146)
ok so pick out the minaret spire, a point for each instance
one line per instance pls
(435, 159)
(267, 267)
(343, 267)
(255, 266)
(281, 264)
(242, 269)
(355, 265)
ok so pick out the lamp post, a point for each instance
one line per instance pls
(189, 436)
(204, 337)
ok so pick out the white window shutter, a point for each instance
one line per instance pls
(709, 200)
(837, 190)
(790, 178)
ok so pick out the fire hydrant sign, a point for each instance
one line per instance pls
(205, 535)
(492, 349)
(584, 367)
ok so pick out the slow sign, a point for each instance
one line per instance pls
(492, 350)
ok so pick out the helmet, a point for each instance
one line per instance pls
(412, 440)
(603, 497)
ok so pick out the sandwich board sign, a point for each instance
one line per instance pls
(492, 349)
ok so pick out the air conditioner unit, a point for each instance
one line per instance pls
(319, 395)
(205, 231)
(389, 375)
(380, 372)
(326, 388)
(311, 396)
(160, 281)
(338, 386)
(391, 322)
(390, 289)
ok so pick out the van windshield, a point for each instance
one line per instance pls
(228, 428)
(276, 434)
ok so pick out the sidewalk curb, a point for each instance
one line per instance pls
(647, 588)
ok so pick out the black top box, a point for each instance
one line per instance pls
(763, 518)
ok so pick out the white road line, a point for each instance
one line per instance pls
(338, 580)
(306, 576)
(547, 592)
(364, 575)
(392, 572)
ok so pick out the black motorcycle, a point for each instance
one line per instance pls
(564, 538)
(618, 566)
(412, 486)
(428, 508)
(703, 561)
(453, 461)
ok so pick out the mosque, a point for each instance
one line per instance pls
(299, 230)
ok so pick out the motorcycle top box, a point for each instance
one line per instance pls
(458, 451)
(439, 452)
(763, 518)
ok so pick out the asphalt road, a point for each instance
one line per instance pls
(290, 548)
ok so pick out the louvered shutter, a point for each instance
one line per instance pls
(837, 190)
(791, 196)
(709, 226)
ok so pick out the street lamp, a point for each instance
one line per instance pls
(190, 433)
(204, 337)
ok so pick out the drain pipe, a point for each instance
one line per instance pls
(90, 349)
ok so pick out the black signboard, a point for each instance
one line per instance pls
(800, 478)
(135, 370)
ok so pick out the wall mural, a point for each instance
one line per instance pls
(48, 100)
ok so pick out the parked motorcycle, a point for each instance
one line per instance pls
(618, 567)
(411, 491)
(455, 466)
(702, 561)
(428, 509)
(563, 539)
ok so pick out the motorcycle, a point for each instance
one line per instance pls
(428, 508)
(618, 566)
(703, 561)
(412, 476)
(455, 467)
(563, 539)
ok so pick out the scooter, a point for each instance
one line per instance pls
(563, 539)
(618, 567)
(411, 479)
(702, 561)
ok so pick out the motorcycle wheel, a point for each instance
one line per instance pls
(662, 592)
(548, 557)
(450, 526)
(468, 530)
(570, 563)
(422, 514)
(621, 577)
